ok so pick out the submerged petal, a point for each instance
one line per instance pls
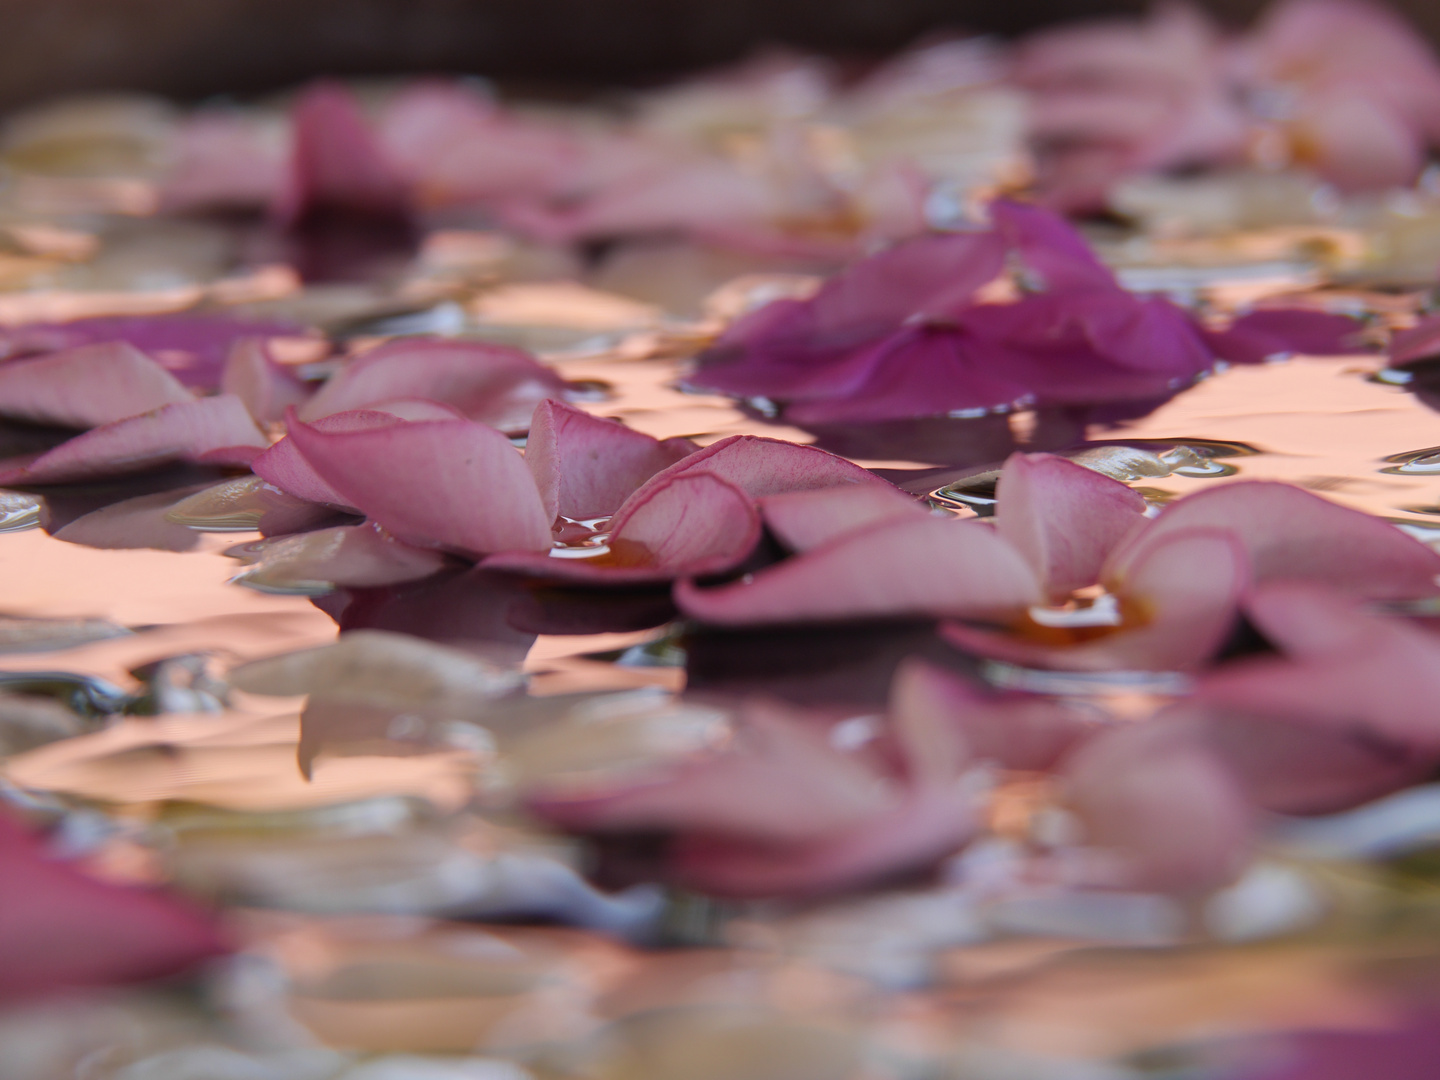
(348, 555)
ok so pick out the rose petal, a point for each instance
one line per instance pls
(802, 520)
(761, 466)
(585, 466)
(349, 555)
(266, 388)
(1049, 246)
(1184, 592)
(926, 566)
(1291, 535)
(60, 928)
(183, 432)
(494, 384)
(1263, 335)
(87, 386)
(336, 161)
(1064, 518)
(440, 483)
(689, 525)
(285, 467)
(1164, 806)
(1420, 342)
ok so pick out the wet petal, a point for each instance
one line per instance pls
(284, 466)
(266, 388)
(1064, 518)
(65, 929)
(440, 483)
(1262, 335)
(586, 466)
(761, 466)
(1163, 805)
(183, 432)
(87, 386)
(802, 520)
(689, 525)
(494, 384)
(1291, 535)
(926, 566)
(348, 555)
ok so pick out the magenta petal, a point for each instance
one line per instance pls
(1171, 815)
(266, 388)
(336, 161)
(1064, 518)
(689, 525)
(761, 466)
(284, 466)
(1420, 342)
(1263, 335)
(1291, 535)
(1050, 247)
(1184, 593)
(1345, 669)
(450, 484)
(802, 520)
(494, 384)
(586, 466)
(61, 928)
(87, 386)
(185, 432)
(925, 566)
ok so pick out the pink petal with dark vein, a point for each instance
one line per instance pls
(185, 432)
(336, 161)
(585, 466)
(1014, 731)
(62, 929)
(1291, 535)
(690, 525)
(1064, 518)
(494, 384)
(926, 566)
(761, 466)
(779, 780)
(357, 556)
(1263, 335)
(451, 484)
(266, 388)
(1344, 668)
(802, 520)
(87, 386)
(1184, 593)
(1163, 805)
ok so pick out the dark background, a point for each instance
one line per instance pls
(196, 48)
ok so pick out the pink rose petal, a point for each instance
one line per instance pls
(802, 520)
(585, 466)
(494, 384)
(266, 388)
(336, 160)
(87, 386)
(284, 466)
(184, 432)
(1168, 812)
(1064, 518)
(1265, 334)
(60, 928)
(761, 466)
(452, 484)
(926, 566)
(1291, 535)
(1180, 601)
(689, 525)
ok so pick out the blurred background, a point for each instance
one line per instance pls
(197, 48)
